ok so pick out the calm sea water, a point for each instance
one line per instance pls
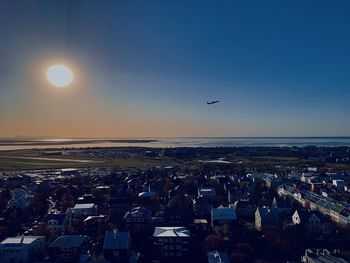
(186, 142)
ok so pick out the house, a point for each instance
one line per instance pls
(266, 217)
(306, 177)
(283, 205)
(155, 186)
(222, 220)
(177, 216)
(171, 242)
(208, 192)
(217, 257)
(96, 226)
(313, 223)
(19, 180)
(147, 194)
(22, 249)
(149, 200)
(235, 194)
(200, 228)
(68, 248)
(202, 206)
(85, 199)
(223, 216)
(295, 175)
(340, 214)
(20, 199)
(339, 184)
(56, 223)
(69, 172)
(245, 209)
(116, 246)
(322, 255)
(118, 205)
(137, 219)
(272, 181)
(81, 211)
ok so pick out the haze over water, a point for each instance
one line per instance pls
(177, 142)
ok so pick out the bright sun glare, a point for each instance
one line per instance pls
(59, 76)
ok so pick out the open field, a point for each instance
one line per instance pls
(132, 157)
(21, 160)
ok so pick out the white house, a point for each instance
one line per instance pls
(22, 249)
(84, 210)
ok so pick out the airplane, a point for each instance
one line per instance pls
(212, 102)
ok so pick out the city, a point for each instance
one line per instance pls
(174, 131)
(196, 205)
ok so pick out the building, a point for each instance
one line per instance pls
(200, 228)
(322, 255)
(68, 248)
(266, 217)
(81, 211)
(208, 192)
(218, 257)
(223, 216)
(245, 209)
(202, 207)
(283, 205)
(118, 205)
(339, 184)
(177, 216)
(22, 249)
(313, 223)
(222, 220)
(171, 242)
(69, 172)
(20, 199)
(116, 246)
(95, 226)
(236, 194)
(56, 223)
(137, 219)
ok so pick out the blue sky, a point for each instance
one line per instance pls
(280, 68)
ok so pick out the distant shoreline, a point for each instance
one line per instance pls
(66, 142)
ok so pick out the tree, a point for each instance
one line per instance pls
(257, 192)
(181, 201)
(213, 242)
(239, 257)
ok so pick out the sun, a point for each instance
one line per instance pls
(59, 75)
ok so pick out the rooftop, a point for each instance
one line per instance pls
(21, 240)
(224, 213)
(171, 232)
(323, 256)
(84, 206)
(68, 241)
(116, 240)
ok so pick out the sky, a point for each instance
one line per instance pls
(147, 68)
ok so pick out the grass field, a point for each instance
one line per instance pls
(22, 160)
(31, 159)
